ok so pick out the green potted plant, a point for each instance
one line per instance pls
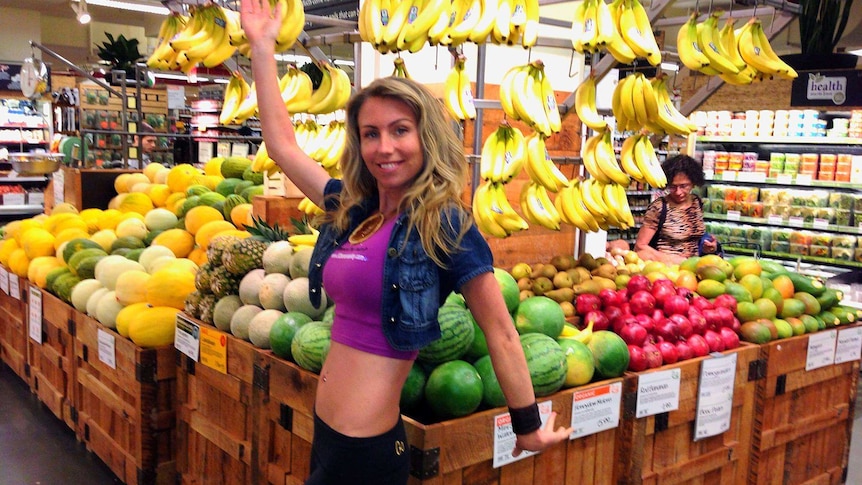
(120, 53)
(821, 25)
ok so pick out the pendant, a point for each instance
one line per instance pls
(366, 229)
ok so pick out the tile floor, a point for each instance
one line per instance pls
(37, 448)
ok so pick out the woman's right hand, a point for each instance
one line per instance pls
(261, 22)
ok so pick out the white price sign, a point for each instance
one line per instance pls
(784, 179)
(595, 410)
(715, 396)
(4, 280)
(58, 181)
(733, 215)
(107, 349)
(14, 289)
(658, 392)
(504, 437)
(187, 337)
(821, 224)
(775, 220)
(803, 179)
(821, 349)
(728, 176)
(849, 345)
(795, 221)
(34, 316)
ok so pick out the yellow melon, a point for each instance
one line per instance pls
(134, 179)
(196, 217)
(213, 166)
(91, 217)
(210, 229)
(37, 242)
(121, 181)
(236, 233)
(170, 286)
(162, 176)
(179, 177)
(132, 227)
(64, 207)
(159, 194)
(136, 202)
(23, 227)
(198, 256)
(74, 222)
(125, 316)
(115, 201)
(109, 219)
(179, 241)
(152, 169)
(104, 238)
(39, 268)
(178, 263)
(142, 187)
(6, 248)
(53, 220)
(19, 262)
(68, 235)
(11, 229)
(131, 287)
(130, 215)
(241, 214)
(153, 327)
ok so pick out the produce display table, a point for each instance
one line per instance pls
(126, 402)
(13, 327)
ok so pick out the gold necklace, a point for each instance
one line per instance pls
(366, 229)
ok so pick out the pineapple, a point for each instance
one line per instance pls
(217, 246)
(244, 256)
(192, 304)
(202, 278)
(262, 231)
(207, 305)
(223, 283)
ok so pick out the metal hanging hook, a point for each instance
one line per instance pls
(571, 64)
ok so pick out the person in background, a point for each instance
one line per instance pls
(673, 228)
(145, 141)
(395, 240)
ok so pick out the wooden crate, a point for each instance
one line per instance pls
(126, 414)
(214, 418)
(14, 332)
(661, 449)
(456, 451)
(52, 366)
(803, 419)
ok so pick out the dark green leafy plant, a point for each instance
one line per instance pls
(121, 53)
(822, 23)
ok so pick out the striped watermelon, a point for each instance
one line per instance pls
(211, 198)
(546, 361)
(230, 202)
(456, 336)
(233, 167)
(310, 345)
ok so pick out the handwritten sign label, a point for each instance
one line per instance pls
(715, 396)
(504, 437)
(107, 349)
(849, 345)
(658, 392)
(34, 314)
(821, 349)
(595, 410)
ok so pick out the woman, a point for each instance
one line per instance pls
(673, 228)
(395, 240)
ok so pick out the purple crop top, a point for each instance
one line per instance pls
(353, 277)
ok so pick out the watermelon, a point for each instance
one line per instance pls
(227, 186)
(492, 394)
(610, 354)
(197, 189)
(283, 330)
(249, 192)
(188, 204)
(546, 362)
(540, 314)
(454, 389)
(456, 336)
(256, 177)
(233, 167)
(509, 288)
(310, 345)
(414, 388)
(479, 345)
(230, 202)
(242, 185)
(211, 198)
(77, 244)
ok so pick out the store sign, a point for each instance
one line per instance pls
(335, 9)
(838, 88)
(10, 76)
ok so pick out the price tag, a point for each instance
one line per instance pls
(14, 289)
(595, 410)
(13, 199)
(821, 223)
(34, 316)
(658, 392)
(504, 437)
(803, 179)
(223, 149)
(775, 220)
(187, 337)
(239, 150)
(821, 349)
(795, 221)
(715, 396)
(751, 177)
(733, 215)
(4, 280)
(784, 179)
(213, 349)
(709, 174)
(849, 345)
(205, 152)
(729, 176)
(58, 181)
(107, 349)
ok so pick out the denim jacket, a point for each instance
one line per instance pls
(414, 286)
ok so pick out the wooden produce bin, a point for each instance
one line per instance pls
(52, 363)
(661, 449)
(126, 412)
(456, 451)
(803, 419)
(214, 417)
(13, 329)
(84, 188)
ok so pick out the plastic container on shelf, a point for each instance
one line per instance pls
(848, 242)
(843, 217)
(844, 254)
(800, 249)
(779, 246)
(820, 251)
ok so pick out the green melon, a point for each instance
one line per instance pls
(77, 244)
(310, 345)
(413, 389)
(492, 394)
(256, 177)
(226, 187)
(64, 285)
(211, 199)
(610, 354)
(454, 389)
(53, 275)
(134, 254)
(86, 269)
(540, 314)
(250, 192)
(283, 330)
(128, 242)
(197, 189)
(233, 167)
(546, 362)
(242, 185)
(241, 319)
(456, 336)
(83, 254)
(232, 200)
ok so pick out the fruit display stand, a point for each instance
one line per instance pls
(126, 401)
(214, 416)
(51, 358)
(803, 419)
(454, 451)
(84, 188)
(13, 325)
(276, 209)
(661, 448)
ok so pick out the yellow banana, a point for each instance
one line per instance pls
(579, 26)
(549, 100)
(303, 239)
(751, 50)
(514, 156)
(451, 89)
(727, 39)
(588, 157)
(540, 208)
(397, 20)
(648, 163)
(785, 70)
(506, 94)
(530, 31)
(482, 215)
(709, 41)
(247, 107)
(627, 160)
(688, 47)
(645, 28)
(502, 211)
(326, 93)
(595, 206)
(291, 24)
(487, 156)
(576, 202)
(425, 18)
(585, 105)
(502, 23)
(607, 160)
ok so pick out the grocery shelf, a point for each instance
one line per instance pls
(18, 210)
(784, 223)
(793, 257)
(760, 179)
(788, 140)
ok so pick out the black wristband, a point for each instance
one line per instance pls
(526, 420)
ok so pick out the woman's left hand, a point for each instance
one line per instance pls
(260, 22)
(542, 438)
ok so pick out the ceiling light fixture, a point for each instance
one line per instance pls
(857, 52)
(80, 9)
(669, 66)
(134, 7)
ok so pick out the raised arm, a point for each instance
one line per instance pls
(261, 24)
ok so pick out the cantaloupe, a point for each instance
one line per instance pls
(296, 299)
(277, 256)
(299, 263)
(259, 326)
(241, 319)
(271, 292)
(249, 287)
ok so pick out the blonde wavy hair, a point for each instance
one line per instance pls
(438, 186)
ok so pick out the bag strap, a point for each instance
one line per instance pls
(653, 243)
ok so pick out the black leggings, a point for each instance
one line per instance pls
(337, 459)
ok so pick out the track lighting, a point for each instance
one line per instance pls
(80, 8)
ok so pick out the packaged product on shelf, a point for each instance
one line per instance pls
(825, 213)
(718, 206)
(799, 249)
(780, 246)
(825, 176)
(858, 255)
(796, 211)
(760, 235)
(847, 242)
(708, 160)
(843, 161)
(822, 239)
(791, 163)
(843, 217)
(753, 209)
(808, 163)
(716, 191)
(721, 161)
(857, 203)
(840, 200)
(845, 254)
(781, 235)
(734, 161)
(707, 205)
(738, 233)
(821, 251)
(801, 237)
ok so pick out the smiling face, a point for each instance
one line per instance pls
(390, 145)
